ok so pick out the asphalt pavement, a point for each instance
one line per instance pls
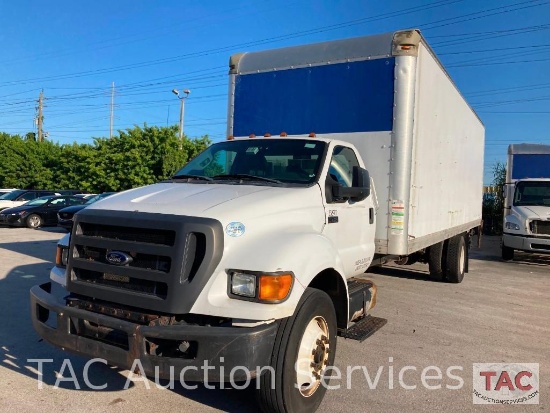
(421, 361)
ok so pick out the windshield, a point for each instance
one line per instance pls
(39, 201)
(10, 196)
(278, 160)
(532, 193)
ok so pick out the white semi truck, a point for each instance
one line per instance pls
(340, 156)
(526, 224)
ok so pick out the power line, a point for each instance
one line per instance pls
(273, 39)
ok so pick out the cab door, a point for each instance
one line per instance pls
(349, 225)
(52, 208)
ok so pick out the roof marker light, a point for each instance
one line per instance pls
(267, 135)
(284, 134)
(312, 135)
(252, 136)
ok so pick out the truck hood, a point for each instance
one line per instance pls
(533, 211)
(176, 198)
(224, 202)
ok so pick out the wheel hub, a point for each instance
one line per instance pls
(319, 355)
(312, 356)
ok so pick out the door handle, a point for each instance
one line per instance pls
(371, 215)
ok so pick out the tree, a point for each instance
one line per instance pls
(499, 179)
(21, 166)
(136, 157)
(493, 203)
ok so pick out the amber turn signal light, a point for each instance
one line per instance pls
(275, 287)
(58, 256)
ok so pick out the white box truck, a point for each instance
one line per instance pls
(340, 156)
(526, 224)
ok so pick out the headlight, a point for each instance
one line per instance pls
(262, 287)
(243, 284)
(62, 256)
(511, 225)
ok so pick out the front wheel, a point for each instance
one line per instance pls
(34, 221)
(305, 346)
(507, 253)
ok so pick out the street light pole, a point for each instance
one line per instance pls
(182, 104)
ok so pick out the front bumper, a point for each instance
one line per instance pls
(220, 348)
(527, 243)
(65, 223)
(13, 220)
(58, 275)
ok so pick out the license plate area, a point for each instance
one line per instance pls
(116, 277)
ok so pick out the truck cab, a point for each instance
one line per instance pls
(526, 224)
(248, 251)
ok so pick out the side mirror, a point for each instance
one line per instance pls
(361, 179)
(360, 189)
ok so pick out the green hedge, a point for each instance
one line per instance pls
(134, 157)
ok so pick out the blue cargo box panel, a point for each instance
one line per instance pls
(320, 99)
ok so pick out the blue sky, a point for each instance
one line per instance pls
(497, 52)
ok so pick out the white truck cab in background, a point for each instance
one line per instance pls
(526, 224)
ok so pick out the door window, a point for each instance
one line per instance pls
(59, 202)
(341, 166)
(29, 196)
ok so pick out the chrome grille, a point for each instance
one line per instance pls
(540, 227)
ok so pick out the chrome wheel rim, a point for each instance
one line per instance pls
(312, 356)
(462, 261)
(34, 221)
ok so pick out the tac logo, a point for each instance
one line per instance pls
(506, 383)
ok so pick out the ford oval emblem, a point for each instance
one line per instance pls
(118, 258)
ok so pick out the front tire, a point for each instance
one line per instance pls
(507, 253)
(304, 347)
(34, 221)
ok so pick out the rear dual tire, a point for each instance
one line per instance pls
(456, 259)
(447, 260)
(437, 260)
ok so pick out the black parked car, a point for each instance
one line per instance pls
(22, 196)
(65, 216)
(38, 212)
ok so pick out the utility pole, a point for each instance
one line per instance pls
(112, 109)
(39, 119)
(182, 99)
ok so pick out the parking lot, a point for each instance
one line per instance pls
(500, 313)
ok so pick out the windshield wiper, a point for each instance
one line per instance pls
(185, 176)
(246, 177)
